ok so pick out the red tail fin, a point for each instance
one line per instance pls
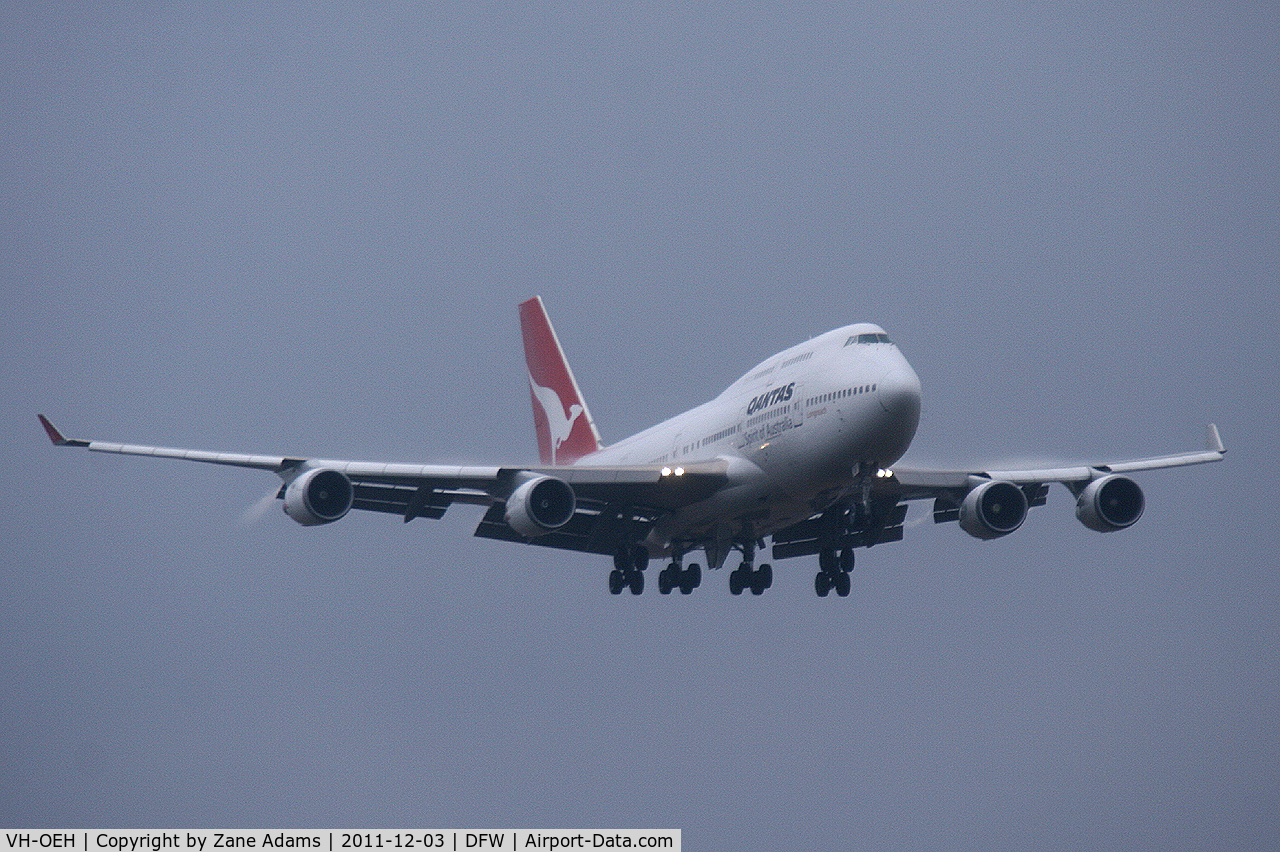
(565, 429)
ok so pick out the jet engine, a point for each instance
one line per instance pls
(319, 496)
(540, 505)
(993, 509)
(1111, 503)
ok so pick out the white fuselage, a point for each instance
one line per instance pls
(795, 430)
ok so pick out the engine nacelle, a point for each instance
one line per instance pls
(993, 509)
(1111, 503)
(319, 496)
(540, 505)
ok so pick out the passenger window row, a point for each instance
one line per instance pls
(840, 394)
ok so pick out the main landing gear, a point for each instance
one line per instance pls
(628, 570)
(629, 564)
(686, 579)
(628, 573)
(833, 572)
(747, 577)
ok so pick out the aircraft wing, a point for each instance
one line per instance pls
(610, 500)
(847, 525)
(923, 483)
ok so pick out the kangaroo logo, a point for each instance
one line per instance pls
(558, 425)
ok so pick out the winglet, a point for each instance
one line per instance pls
(1213, 442)
(56, 436)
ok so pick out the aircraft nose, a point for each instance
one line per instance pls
(898, 392)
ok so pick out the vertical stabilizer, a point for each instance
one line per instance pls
(565, 429)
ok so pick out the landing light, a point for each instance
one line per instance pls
(883, 473)
(679, 471)
(666, 471)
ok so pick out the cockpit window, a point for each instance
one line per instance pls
(869, 337)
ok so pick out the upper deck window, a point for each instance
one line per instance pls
(804, 356)
(868, 337)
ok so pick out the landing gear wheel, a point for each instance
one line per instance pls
(765, 576)
(846, 560)
(735, 582)
(690, 578)
(822, 583)
(842, 584)
(636, 581)
(615, 582)
(666, 578)
(827, 560)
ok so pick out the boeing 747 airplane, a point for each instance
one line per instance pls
(800, 450)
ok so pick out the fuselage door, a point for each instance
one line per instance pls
(798, 405)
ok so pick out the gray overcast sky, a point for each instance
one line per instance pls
(305, 228)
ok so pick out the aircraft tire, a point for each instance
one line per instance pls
(615, 582)
(822, 583)
(846, 560)
(690, 578)
(766, 576)
(735, 582)
(636, 582)
(664, 581)
(843, 584)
